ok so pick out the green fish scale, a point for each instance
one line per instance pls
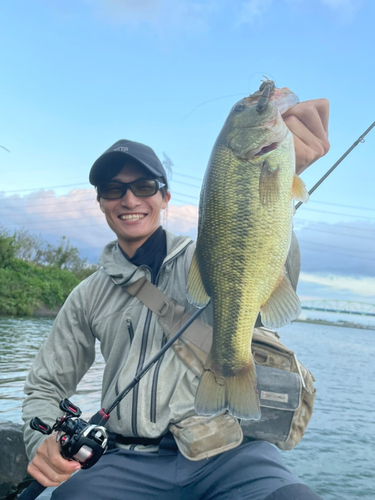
(228, 251)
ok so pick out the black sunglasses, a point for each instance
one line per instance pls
(141, 188)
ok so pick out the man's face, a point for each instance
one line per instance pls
(133, 219)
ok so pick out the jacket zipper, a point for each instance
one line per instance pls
(154, 386)
(129, 324)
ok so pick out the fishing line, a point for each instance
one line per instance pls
(360, 139)
(211, 100)
(263, 74)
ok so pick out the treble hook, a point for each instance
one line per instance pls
(266, 89)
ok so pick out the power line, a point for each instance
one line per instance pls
(22, 214)
(340, 205)
(186, 195)
(338, 213)
(338, 253)
(41, 188)
(55, 221)
(335, 246)
(341, 234)
(185, 184)
(336, 225)
(188, 176)
(186, 203)
(57, 202)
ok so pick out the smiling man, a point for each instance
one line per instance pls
(144, 461)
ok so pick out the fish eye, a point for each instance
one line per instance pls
(239, 107)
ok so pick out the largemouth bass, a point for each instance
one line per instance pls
(244, 233)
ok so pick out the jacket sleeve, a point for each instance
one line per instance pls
(60, 364)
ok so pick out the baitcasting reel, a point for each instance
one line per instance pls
(80, 441)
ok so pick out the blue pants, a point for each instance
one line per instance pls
(251, 471)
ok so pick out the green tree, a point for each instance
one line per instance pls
(29, 247)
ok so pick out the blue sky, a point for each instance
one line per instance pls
(78, 76)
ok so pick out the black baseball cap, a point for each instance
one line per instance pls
(112, 160)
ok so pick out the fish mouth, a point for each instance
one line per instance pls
(266, 149)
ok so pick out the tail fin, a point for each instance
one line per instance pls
(237, 393)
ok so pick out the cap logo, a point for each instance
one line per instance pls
(124, 149)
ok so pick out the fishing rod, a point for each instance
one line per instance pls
(360, 139)
(85, 442)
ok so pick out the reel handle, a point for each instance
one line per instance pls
(38, 425)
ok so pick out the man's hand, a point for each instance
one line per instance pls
(308, 122)
(48, 467)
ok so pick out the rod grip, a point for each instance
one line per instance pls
(32, 491)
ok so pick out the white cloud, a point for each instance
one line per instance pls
(342, 9)
(343, 5)
(253, 9)
(181, 219)
(159, 14)
(361, 286)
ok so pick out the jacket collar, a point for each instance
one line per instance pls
(123, 271)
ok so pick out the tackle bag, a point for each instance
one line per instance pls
(286, 392)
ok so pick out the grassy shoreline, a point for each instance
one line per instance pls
(30, 290)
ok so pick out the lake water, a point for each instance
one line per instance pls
(336, 457)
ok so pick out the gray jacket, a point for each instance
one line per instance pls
(129, 333)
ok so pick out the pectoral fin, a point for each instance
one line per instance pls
(268, 184)
(293, 262)
(282, 307)
(196, 293)
(299, 190)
